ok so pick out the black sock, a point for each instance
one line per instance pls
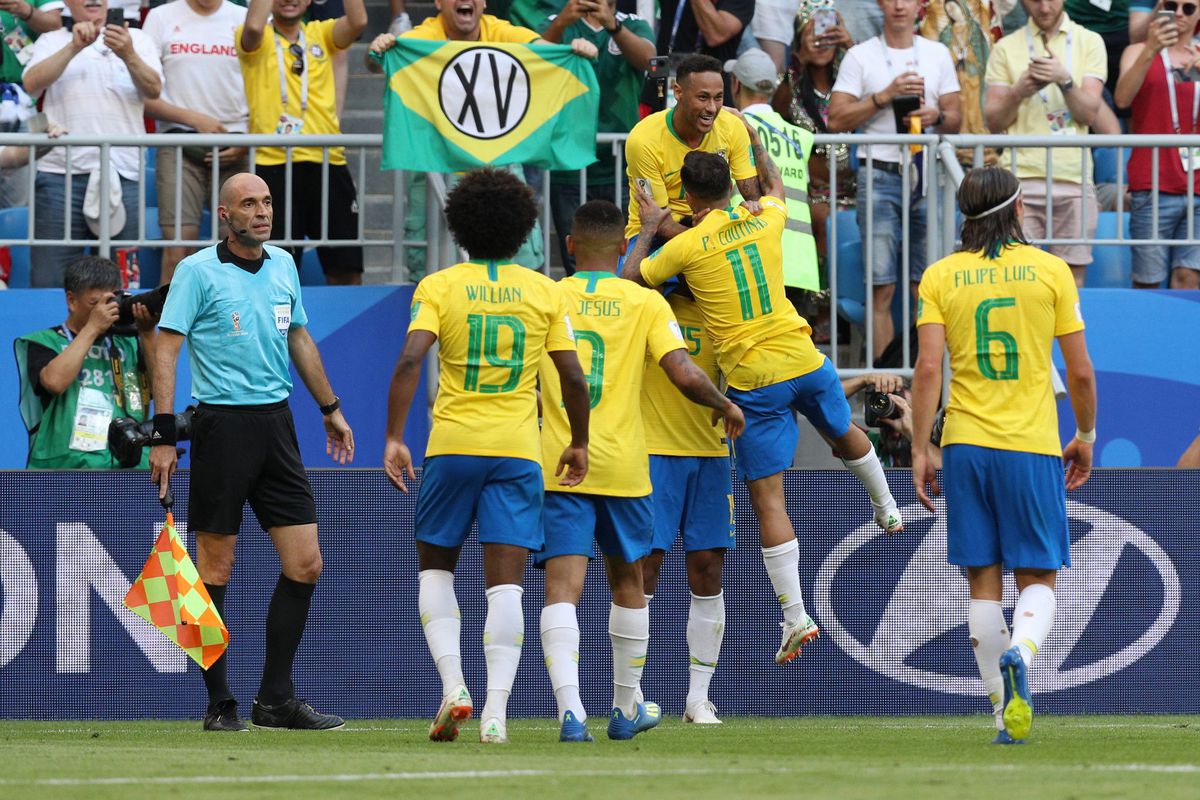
(285, 627)
(216, 677)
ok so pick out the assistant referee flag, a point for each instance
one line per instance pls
(454, 106)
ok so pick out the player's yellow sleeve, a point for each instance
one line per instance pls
(645, 170)
(561, 335)
(425, 316)
(1068, 316)
(741, 161)
(666, 262)
(928, 304)
(663, 335)
(773, 210)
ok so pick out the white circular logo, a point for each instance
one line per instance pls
(929, 600)
(484, 92)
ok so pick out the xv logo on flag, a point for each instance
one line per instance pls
(484, 92)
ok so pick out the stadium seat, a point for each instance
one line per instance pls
(850, 276)
(14, 224)
(150, 258)
(311, 273)
(151, 186)
(1111, 264)
(1104, 160)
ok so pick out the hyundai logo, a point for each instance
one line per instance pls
(930, 599)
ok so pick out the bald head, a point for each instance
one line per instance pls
(245, 209)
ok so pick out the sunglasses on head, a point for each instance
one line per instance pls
(1187, 8)
(297, 65)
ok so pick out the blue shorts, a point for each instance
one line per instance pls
(768, 444)
(1005, 507)
(693, 495)
(503, 494)
(623, 526)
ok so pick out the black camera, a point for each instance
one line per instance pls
(879, 406)
(153, 300)
(127, 436)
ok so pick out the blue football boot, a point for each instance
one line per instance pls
(573, 730)
(645, 717)
(1018, 704)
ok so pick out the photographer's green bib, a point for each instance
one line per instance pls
(71, 431)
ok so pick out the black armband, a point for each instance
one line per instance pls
(332, 407)
(165, 431)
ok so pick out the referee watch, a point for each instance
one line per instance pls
(332, 407)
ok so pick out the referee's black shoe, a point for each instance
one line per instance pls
(223, 716)
(294, 715)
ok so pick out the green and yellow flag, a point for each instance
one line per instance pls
(453, 106)
(170, 596)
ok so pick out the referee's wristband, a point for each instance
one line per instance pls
(1087, 437)
(164, 431)
(332, 407)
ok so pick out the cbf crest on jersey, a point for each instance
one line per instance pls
(453, 106)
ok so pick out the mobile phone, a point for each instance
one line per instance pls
(902, 106)
(115, 17)
(823, 20)
(1162, 13)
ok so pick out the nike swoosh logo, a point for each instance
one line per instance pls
(669, 174)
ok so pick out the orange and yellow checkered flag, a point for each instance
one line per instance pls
(170, 596)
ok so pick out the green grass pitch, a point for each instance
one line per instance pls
(1147, 757)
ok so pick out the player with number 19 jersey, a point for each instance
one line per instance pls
(494, 322)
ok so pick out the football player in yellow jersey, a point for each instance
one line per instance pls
(733, 263)
(618, 326)
(494, 321)
(657, 145)
(693, 498)
(999, 304)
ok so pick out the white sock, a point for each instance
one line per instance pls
(560, 643)
(629, 632)
(868, 470)
(705, 632)
(989, 640)
(442, 624)
(638, 696)
(503, 635)
(783, 568)
(1032, 619)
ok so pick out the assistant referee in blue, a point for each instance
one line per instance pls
(238, 306)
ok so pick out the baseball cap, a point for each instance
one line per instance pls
(755, 69)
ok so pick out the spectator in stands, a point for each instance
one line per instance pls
(96, 78)
(1159, 81)
(76, 377)
(1044, 79)
(401, 22)
(1140, 14)
(709, 27)
(863, 18)
(301, 101)
(203, 93)
(21, 23)
(1109, 19)
(625, 45)
(774, 28)
(332, 9)
(872, 76)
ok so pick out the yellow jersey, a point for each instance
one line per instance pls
(733, 262)
(618, 325)
(491, 29)
(494, 322)
(675, 426)
(1001, 318)
(654, 156)
(260, 73)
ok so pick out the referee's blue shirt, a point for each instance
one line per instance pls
(236, 315)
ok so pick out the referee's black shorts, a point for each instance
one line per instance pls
(242, 453)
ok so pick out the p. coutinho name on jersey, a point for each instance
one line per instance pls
(734, 233)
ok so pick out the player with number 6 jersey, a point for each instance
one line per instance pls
(619, 325)
(733, 263)
(494, 321)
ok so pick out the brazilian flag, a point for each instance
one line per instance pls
(453, 106)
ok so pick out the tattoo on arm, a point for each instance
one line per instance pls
(749, 188)
(769, 177)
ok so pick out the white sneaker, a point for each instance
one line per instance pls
(455, 709)
(493, 730)
(796, 635)
(702, 713)
(401, 24)
(888, 518)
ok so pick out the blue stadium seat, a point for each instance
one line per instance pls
(1104, 159)
(852, 290)
(150, 258)
(311, 273)
(1112, 264)
(14, 224)
(151, 186)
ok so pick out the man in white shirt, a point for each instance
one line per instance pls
(873, 75)
(96, 78)
(204, 93)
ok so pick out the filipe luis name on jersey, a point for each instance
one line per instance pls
(1009, 273)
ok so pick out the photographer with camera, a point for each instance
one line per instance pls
(887, 415)
(78, 376)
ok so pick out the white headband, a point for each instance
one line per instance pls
(994, 209)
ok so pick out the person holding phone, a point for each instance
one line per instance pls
(1047, 79)
(1159, 81)
(883, 86)
(96, 78)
